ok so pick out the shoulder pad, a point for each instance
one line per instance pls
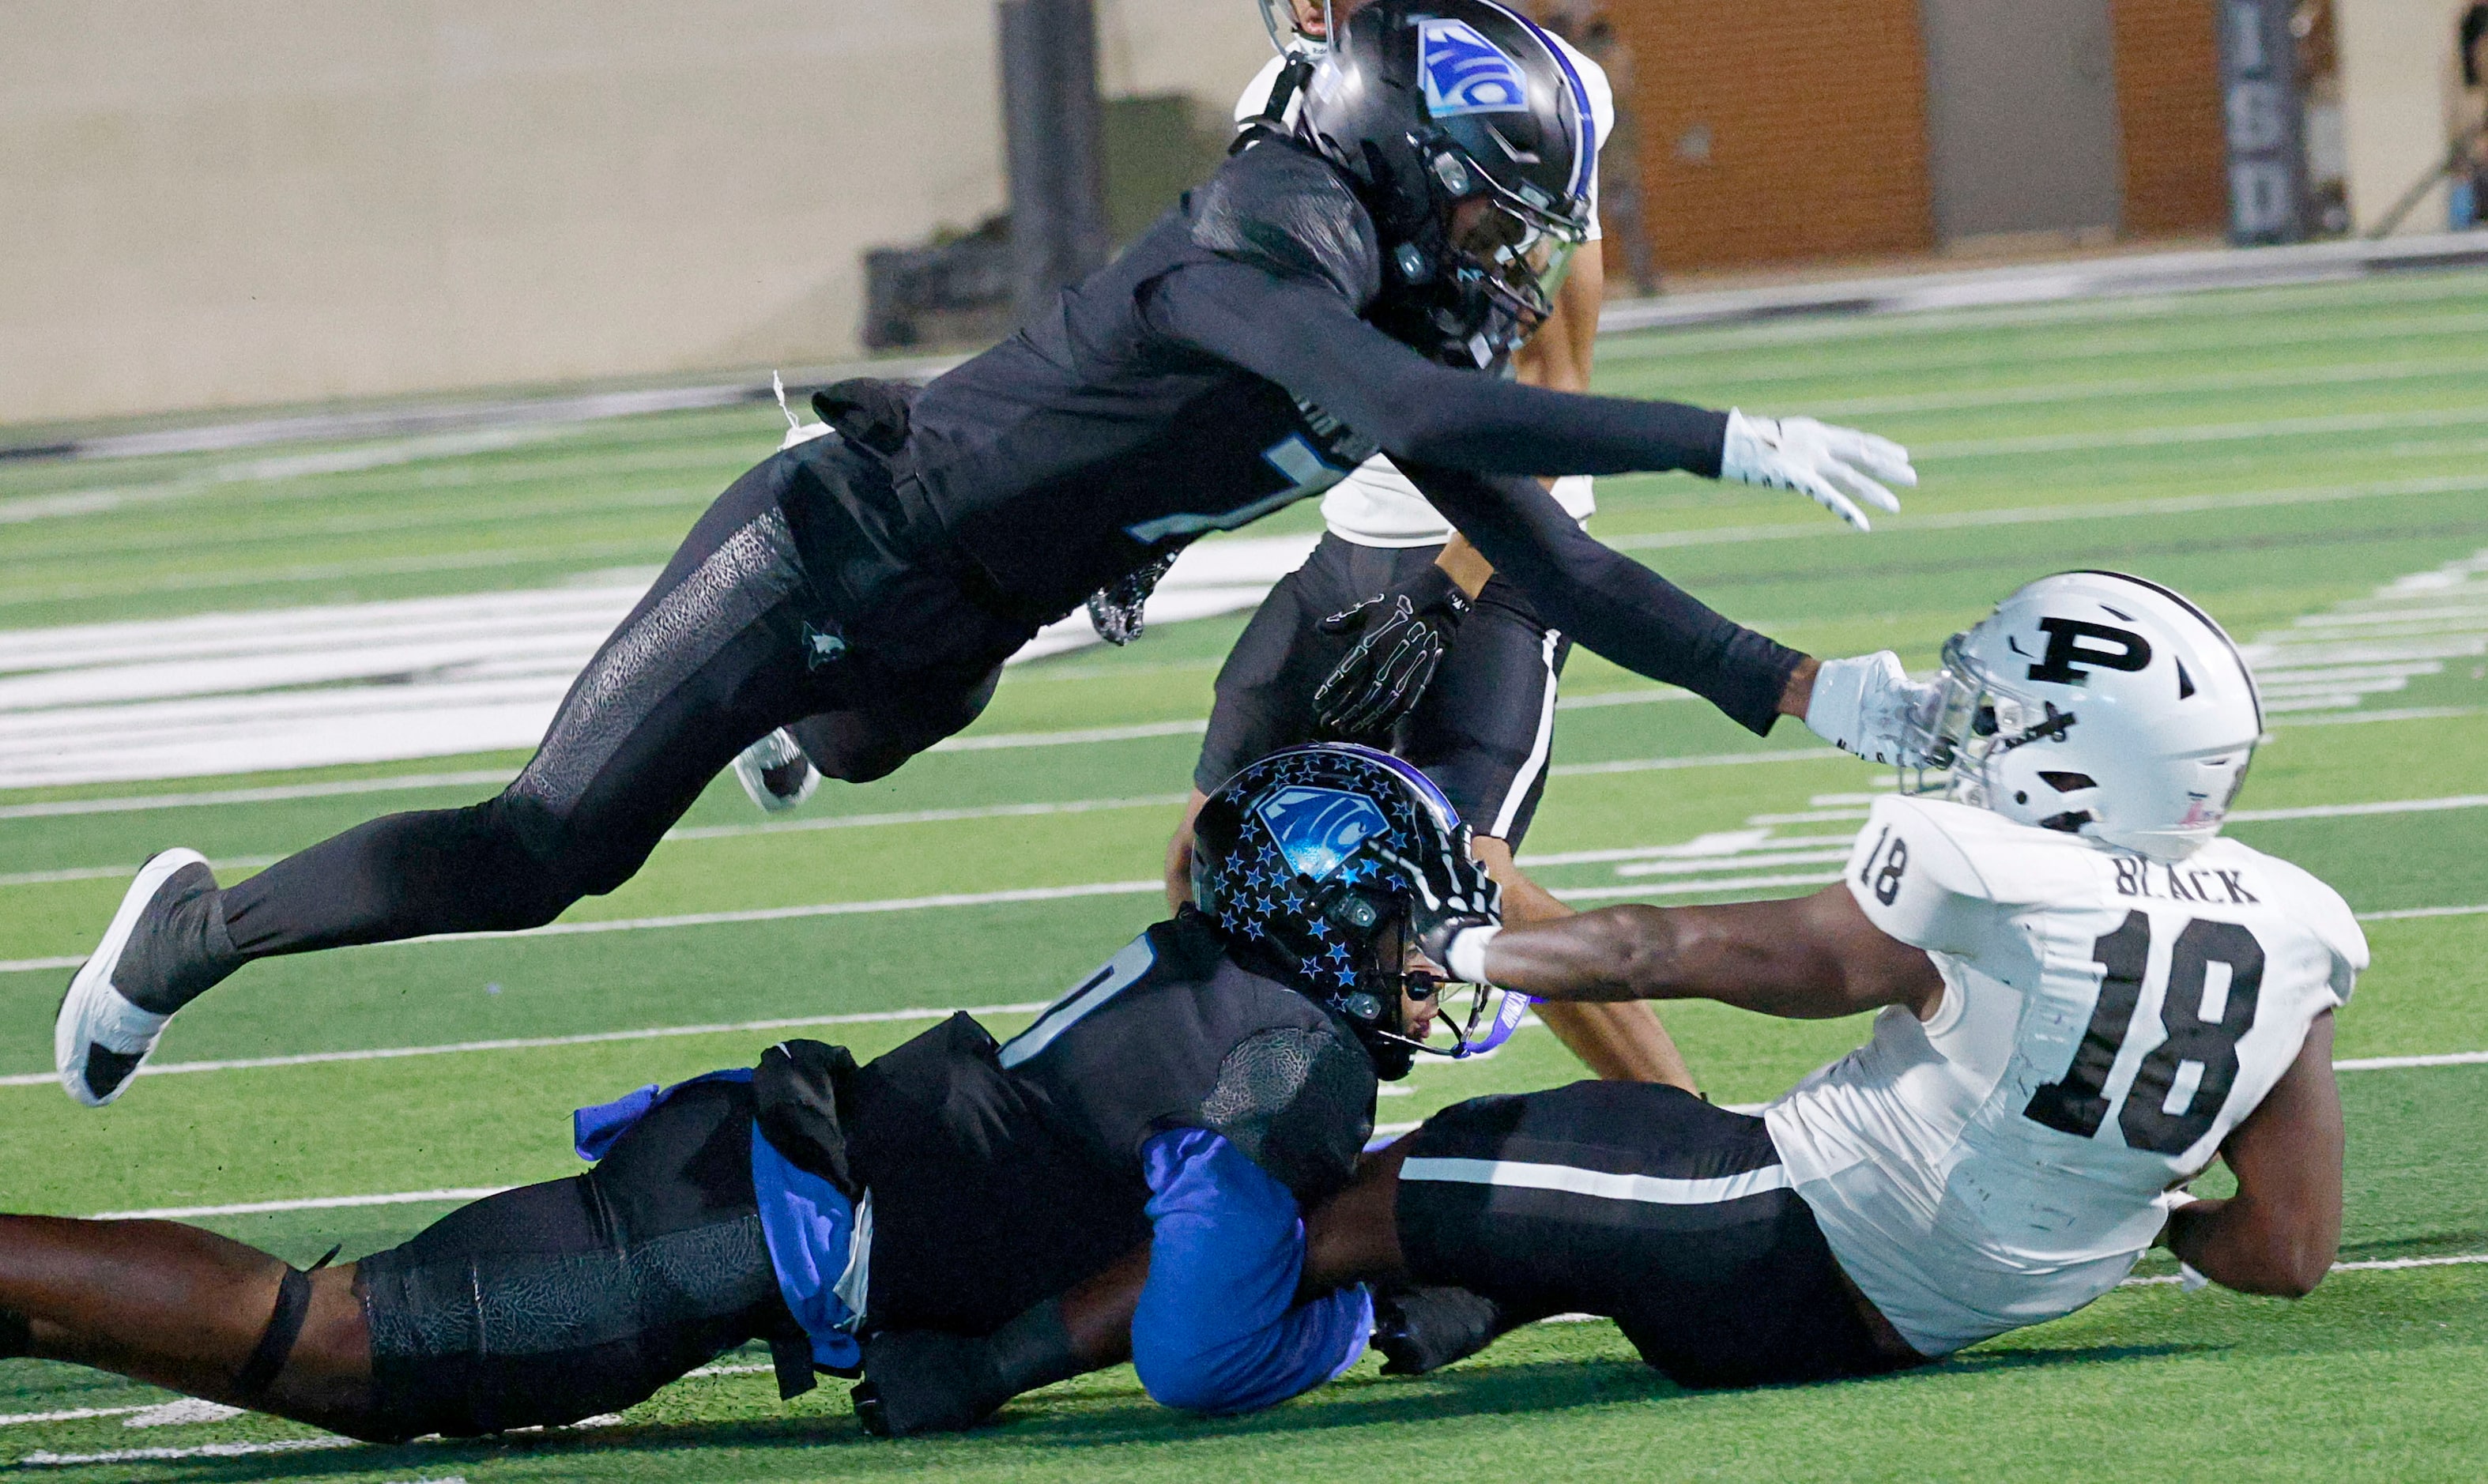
(1915, 873)
(1283, 210)
(2316, 906)
(1298, 1100)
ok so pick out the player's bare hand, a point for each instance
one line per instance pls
(1831, 465)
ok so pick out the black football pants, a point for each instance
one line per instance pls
(732, 642)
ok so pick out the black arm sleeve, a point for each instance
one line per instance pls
(1303, 336)
(1609, 602)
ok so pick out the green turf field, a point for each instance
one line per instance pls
(2272, 453)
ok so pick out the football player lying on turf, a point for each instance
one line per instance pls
(1263, 339)
(2086, 997)
(1209, 1083)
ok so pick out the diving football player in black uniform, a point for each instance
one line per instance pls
(919, 1219)
(1479, 714)
(1293, 316)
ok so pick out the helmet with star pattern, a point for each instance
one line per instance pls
(1309, 865)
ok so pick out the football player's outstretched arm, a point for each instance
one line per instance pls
(1805, 958)
(1465, 437)
(1304, 335)
(2280, 1232)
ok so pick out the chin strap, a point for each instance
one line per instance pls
(1283, 92)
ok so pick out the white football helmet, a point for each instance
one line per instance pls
(2100, 705)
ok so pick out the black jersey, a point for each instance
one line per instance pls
(1003, 1174)
(1222, 368)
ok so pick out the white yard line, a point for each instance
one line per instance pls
(1623, 698)
(1755, 858)
(43, 1459)
(1080, 737)
(138, 802)
(133, 803)
(2398, 1063)
(1170, 800)
(2202, 432)
(2049, 515)
(816, 909)
(1641, 889)
(2050, 393)
(1705, 760)
(2406, 714)
(747, 915)
(306, 1203)
(2351, 811)
(922, 816)
(110, 873)
(72, 1415)
(531, 1043)
(2378, 1265)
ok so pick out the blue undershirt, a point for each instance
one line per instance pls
(1218, 1329)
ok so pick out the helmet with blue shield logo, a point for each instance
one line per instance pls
(1315, 865)
(1469, 138)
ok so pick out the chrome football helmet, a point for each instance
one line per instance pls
(2097, 704)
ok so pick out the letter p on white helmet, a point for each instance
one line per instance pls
(2100, 705)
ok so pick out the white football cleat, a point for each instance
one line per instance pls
(775, 773)
(100, 1038)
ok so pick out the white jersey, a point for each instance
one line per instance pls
(2107, 1019)
(1375, 505)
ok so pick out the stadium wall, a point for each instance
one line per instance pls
(217, 203)
(1827, 158)
(1830, 159)
(2175, 153)
(2402, 103)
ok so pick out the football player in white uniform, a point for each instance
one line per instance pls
(2085, 996)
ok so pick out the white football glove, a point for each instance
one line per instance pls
(1869, 706)
(1817, 459)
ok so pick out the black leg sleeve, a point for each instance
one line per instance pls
(551, 1303)
(708, 662)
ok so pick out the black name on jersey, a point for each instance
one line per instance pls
(2136, 877)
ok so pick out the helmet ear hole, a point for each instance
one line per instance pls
(2067, 783)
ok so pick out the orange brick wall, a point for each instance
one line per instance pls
(2168, 110)
(1816, 111)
